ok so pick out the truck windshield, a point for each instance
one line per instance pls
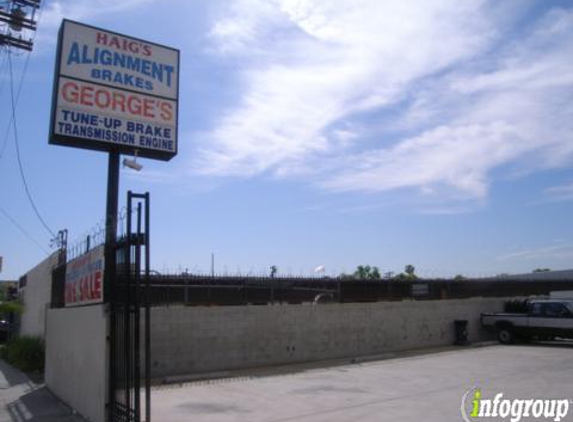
(569, 306)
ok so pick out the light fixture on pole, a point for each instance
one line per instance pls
(132, 164)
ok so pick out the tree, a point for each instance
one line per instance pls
(10, 307)
(541, 270)
(274, 270)
(366, 272)
(459, 277)
(408, 274)
(9, 300)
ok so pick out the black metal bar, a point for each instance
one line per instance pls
(147, 316)
(136, 314)
(127, 303)
(30, 3)
(110, 274)
(10, 18)
(111, 223)
(16, 42)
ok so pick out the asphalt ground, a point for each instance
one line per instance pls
(403, 387)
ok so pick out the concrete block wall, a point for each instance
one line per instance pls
(188, 340)
(76, 358)
(36, 296)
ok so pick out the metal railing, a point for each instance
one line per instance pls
(242, 290)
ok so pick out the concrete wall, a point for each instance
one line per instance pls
(189, 340)
(36, 296)
(76, 358)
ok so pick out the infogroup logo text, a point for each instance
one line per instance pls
(474, 407)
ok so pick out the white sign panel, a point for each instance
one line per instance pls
(115, 93)
(95, 55)
(84, 278)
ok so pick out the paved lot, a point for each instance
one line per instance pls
(426, 387)
(22, 399)
(422, 387)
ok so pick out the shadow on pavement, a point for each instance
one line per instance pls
(22, 399)
(39, 405)
(12, 376)
(558, 344)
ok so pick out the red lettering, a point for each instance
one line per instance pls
(133, 46)
(87, 95)
(124, 44)
(166, 111)
(148, 108)
(134, 105)
(101, 38)
(104, 98)
(118, 101)
(114, 42)
(97, 285)
(70, 92)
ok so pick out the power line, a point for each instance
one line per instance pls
(33, 40)
(20, 166)
(3, 68)
(24, 232)
(20, 84)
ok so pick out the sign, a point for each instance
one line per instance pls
(84, 278)
(114, 93)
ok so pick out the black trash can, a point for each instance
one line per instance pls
(461, 330)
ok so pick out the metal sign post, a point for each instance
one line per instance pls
(111, 221)
(118, 94)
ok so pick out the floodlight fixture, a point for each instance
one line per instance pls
(132, 164)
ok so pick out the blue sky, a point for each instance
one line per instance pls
(324, 132)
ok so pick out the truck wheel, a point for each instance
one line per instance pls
(504, 335)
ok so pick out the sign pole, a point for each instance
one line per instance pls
(110, 264)
(111, 222)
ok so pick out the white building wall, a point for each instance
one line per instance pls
(36, 296)
(76, 358)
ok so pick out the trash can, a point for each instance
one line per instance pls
(461, 331)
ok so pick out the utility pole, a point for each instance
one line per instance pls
(17, 20)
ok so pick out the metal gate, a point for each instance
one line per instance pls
(129, 364)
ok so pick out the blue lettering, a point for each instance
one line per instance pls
(105, 57)
(158, 71)
(85, 59)
(74, 56)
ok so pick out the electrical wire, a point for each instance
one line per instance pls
(21, 83)
(20, 166)
(24, 232)
(7, 134)
(3, 69)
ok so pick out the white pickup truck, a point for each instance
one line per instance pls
(542, 319)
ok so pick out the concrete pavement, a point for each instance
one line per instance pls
(22, 399)
(406, 387)
(426, 387)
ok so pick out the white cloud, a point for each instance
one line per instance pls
(82, 9)
(445, 155)
(560, 193)
(54, 11)
(559, 251)
(437, 94)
